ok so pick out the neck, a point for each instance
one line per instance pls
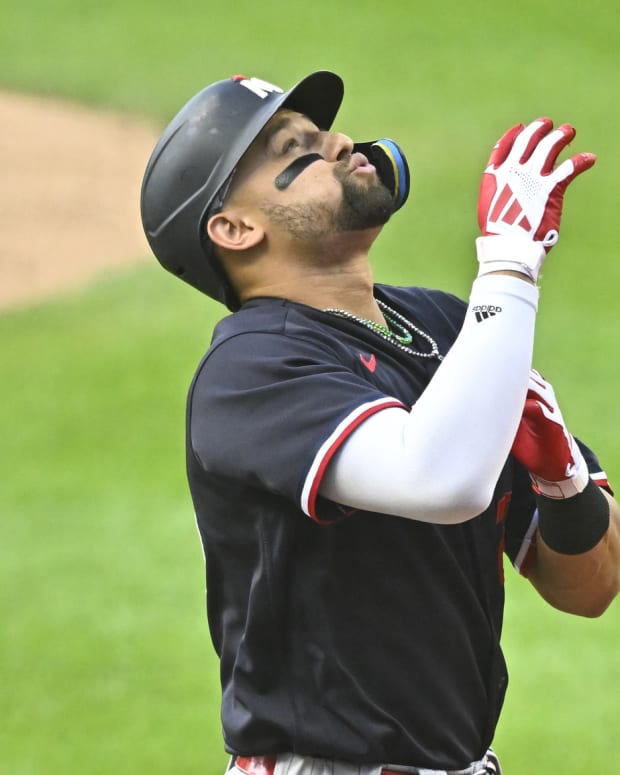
(328, 279)
(353, 292)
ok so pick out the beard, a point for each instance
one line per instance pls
(362, 207)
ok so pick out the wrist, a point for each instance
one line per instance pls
(574, 525)
(496, 286)
(511, 272)
(509, 252)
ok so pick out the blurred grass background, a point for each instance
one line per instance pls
(106, 662)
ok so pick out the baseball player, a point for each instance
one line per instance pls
(362, 456)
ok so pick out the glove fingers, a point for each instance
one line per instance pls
(546, 153)
(534, 397)
(583, 162)
(537, 410)
(527, 446)
(536, 378)
(541, 393)
(540, 388)
(502, 147)
(529, 139)
(572, 167)
(533, 408)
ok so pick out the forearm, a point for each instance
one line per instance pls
(440, 462)
(586, 583)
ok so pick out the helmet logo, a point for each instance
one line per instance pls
(257, 86)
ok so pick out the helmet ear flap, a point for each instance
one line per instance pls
(392, 168)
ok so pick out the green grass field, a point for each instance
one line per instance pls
(106, 661)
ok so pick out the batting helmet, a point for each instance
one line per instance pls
(187, 175)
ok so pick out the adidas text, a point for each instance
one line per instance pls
(485, 311)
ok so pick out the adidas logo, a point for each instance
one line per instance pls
(485, 311)
(507, 209)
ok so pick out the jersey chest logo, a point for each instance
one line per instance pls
(370, 361)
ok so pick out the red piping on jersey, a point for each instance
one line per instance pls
(601, 479)
(333, 447)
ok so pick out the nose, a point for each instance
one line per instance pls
(335, 146)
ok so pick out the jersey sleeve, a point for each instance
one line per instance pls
(522, 519)
(270, 410)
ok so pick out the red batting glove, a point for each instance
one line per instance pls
(544, 446)
(521, 196)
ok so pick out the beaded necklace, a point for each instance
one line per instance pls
(399, 331)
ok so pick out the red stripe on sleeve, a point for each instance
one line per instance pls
(333, 443)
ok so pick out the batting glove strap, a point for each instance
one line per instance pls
(497, 253)
(566, 488)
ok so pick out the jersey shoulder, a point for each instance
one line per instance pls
(265, 325)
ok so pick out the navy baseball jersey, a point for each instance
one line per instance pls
(341, 633)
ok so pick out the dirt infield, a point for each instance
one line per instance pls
(69, 199)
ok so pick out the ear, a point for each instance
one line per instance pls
(234, 232)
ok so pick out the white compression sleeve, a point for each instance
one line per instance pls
(441, 461)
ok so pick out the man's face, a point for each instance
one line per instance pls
(309, 182)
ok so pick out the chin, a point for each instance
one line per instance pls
(365, 212)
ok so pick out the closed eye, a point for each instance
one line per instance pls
(290, 145)
(305, 140)
(288, 135)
